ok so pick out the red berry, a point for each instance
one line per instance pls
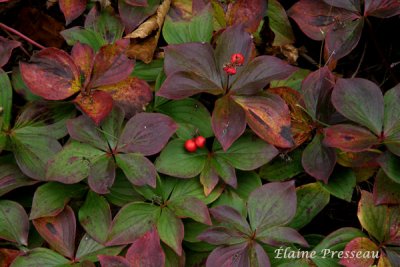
(237, 59)
(190, 145)
(200, 141)
(230, 70)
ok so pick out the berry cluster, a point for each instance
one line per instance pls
(191, 145)
(237, 59)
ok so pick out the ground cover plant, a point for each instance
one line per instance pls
(199, 133)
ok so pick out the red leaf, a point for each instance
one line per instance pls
(83, 55)
(349, 138)
(351, 5)
(137, 2)
(111, 65)
(102, 174)
(248, 13)
(228, 121)
(146, 251)
(382, 8)
(51, 74)
(269, 118)
(6, 48)
(318, 160)
(59, 231)
(72, 9)
(97, 105)
(131, 94)
(146, 133)
(229, 216)
(113, 261)
(7, 256)
(208, 178)
(359, 245)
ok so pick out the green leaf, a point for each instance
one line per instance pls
(224, 170)
(32, 152)
(293, 81)
(138, 169)
(198, 29)
(373, 218)
(386, 191)
(391, 119)
(95, 217)
(190, 207)
(122, 191)
(189, 111)
(279, 24)
(232, 199)
(148, 72)
(192, 188)
(89, 248)
(170, 229)
(14, 222)
(131, 222)
(334, 242)
(50, 198)
(390, 164)
(174, 160)
(84, 36)
(283, 168)
(341, 184)
(40, 257)
(72, 164)
(107, 25)
(361, 101)
(248, 153)
(311, 199)
(5, 102)
(247, 183)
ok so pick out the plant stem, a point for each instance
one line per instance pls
(26, 38)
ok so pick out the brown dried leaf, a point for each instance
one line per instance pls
(145, 38)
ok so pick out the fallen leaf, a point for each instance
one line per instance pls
(143, 40)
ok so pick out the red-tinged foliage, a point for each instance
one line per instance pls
(59, 231)
(359, 245)
(247, 13)
(146, 251)
(72, 9)
(6, 48)
(7, 256)
(113, 261)
(97, 105)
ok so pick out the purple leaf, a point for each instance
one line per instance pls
(318, 160)
(247, 13)
(111, 65)
(146, 251)
(344, 37)
(349, 138)
(233, 40)
(138, 169)
(224, 170)
(51, 74)
(361, 101)
(230, 256)
(382, 8)
(146, 133)
(219, 235)
(261, 256)
(59, 231)
(137, 2)
(278, 236)
(316, 18)
(316, 88)
(113, 261)
(259, 73)
(228, 121)
(230, 216)
(6, 48)
(133, 16)
(84, 130)
(272, 204)
(102, 174)
(351, 5)
(11, 178)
